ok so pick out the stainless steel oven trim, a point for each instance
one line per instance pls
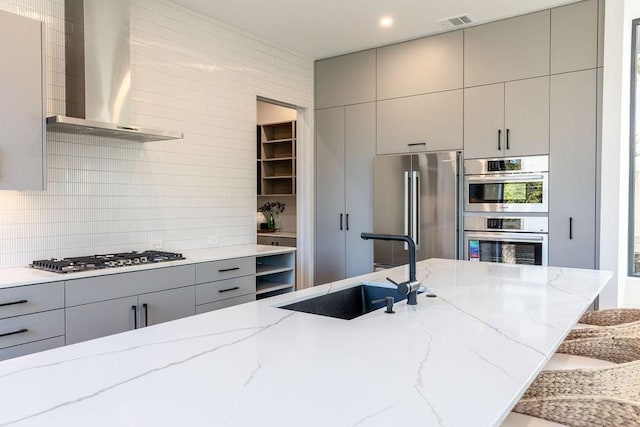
(500, 236)
(529, 164)
(507, 207)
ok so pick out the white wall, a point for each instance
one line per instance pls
(189, 73)
(615, 152)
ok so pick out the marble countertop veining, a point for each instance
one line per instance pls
(20, 276)
(461, 359)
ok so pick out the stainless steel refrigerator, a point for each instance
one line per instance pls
(416, 195)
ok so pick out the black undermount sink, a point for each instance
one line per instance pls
(347, 303)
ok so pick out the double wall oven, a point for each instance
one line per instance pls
(506, 205)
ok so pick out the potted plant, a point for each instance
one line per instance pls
(268, 209)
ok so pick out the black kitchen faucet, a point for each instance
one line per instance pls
(411, 286)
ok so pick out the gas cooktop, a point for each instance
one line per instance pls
(97, 262)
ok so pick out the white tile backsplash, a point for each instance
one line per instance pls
(189, 73)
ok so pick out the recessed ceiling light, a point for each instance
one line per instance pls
(386, 21)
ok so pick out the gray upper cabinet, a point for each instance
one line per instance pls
(507, 119)
(483, 121)
(23, 140)
(345, 80)
(511, 49)
(425, 65)
(574, 37)
(526, 117)
(572, 170)
(434, 121)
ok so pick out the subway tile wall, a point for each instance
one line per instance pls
(189, 73)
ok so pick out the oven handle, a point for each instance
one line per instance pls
(505, 178)
(504, 237)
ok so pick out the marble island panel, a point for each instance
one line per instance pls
(463, 358)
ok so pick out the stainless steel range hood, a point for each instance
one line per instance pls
(98, 74)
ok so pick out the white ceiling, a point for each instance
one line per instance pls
(324, 28)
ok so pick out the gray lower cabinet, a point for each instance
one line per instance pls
(346, 79)
(345, 147)
(429, 64)
(22, 90)
(572, 170)
(230, 302)
(109, 304)
(99, 319)
(31, 319)
(431, 122)
(510, 49)
(164, 306)
(574, 37)
(507, 119)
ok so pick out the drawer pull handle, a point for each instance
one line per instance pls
(229, 289)
(224, 270)
(19, 331)
(22, 301)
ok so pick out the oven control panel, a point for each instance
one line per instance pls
(504, 223)
(529, 224)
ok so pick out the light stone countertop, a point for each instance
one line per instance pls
(461, 359)
(287, 234)
(19, 276)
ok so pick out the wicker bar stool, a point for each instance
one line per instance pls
(620, 381)
(582, 411)
(610, 317)
(609, 322)
(594, 353)
(592, 396)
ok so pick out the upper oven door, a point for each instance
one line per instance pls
(507, 192)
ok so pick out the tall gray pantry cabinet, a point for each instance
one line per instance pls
(345, 146)
(345, 138)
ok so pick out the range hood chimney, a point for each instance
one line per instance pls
(98, 73)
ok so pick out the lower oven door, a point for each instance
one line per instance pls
(506, 248)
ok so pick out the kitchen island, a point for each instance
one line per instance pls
(463, 358)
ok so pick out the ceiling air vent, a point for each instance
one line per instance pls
(456, 21)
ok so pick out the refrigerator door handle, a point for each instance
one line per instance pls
(415, 207)
(407, 218)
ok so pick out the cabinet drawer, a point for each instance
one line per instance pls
(31, 299)
(225, 289)
(224, 303)
(225, 269)
(32, 347)
(277, 241)
(31, 327)
(112, 286)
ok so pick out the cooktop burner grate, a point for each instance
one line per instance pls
(97, 262)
